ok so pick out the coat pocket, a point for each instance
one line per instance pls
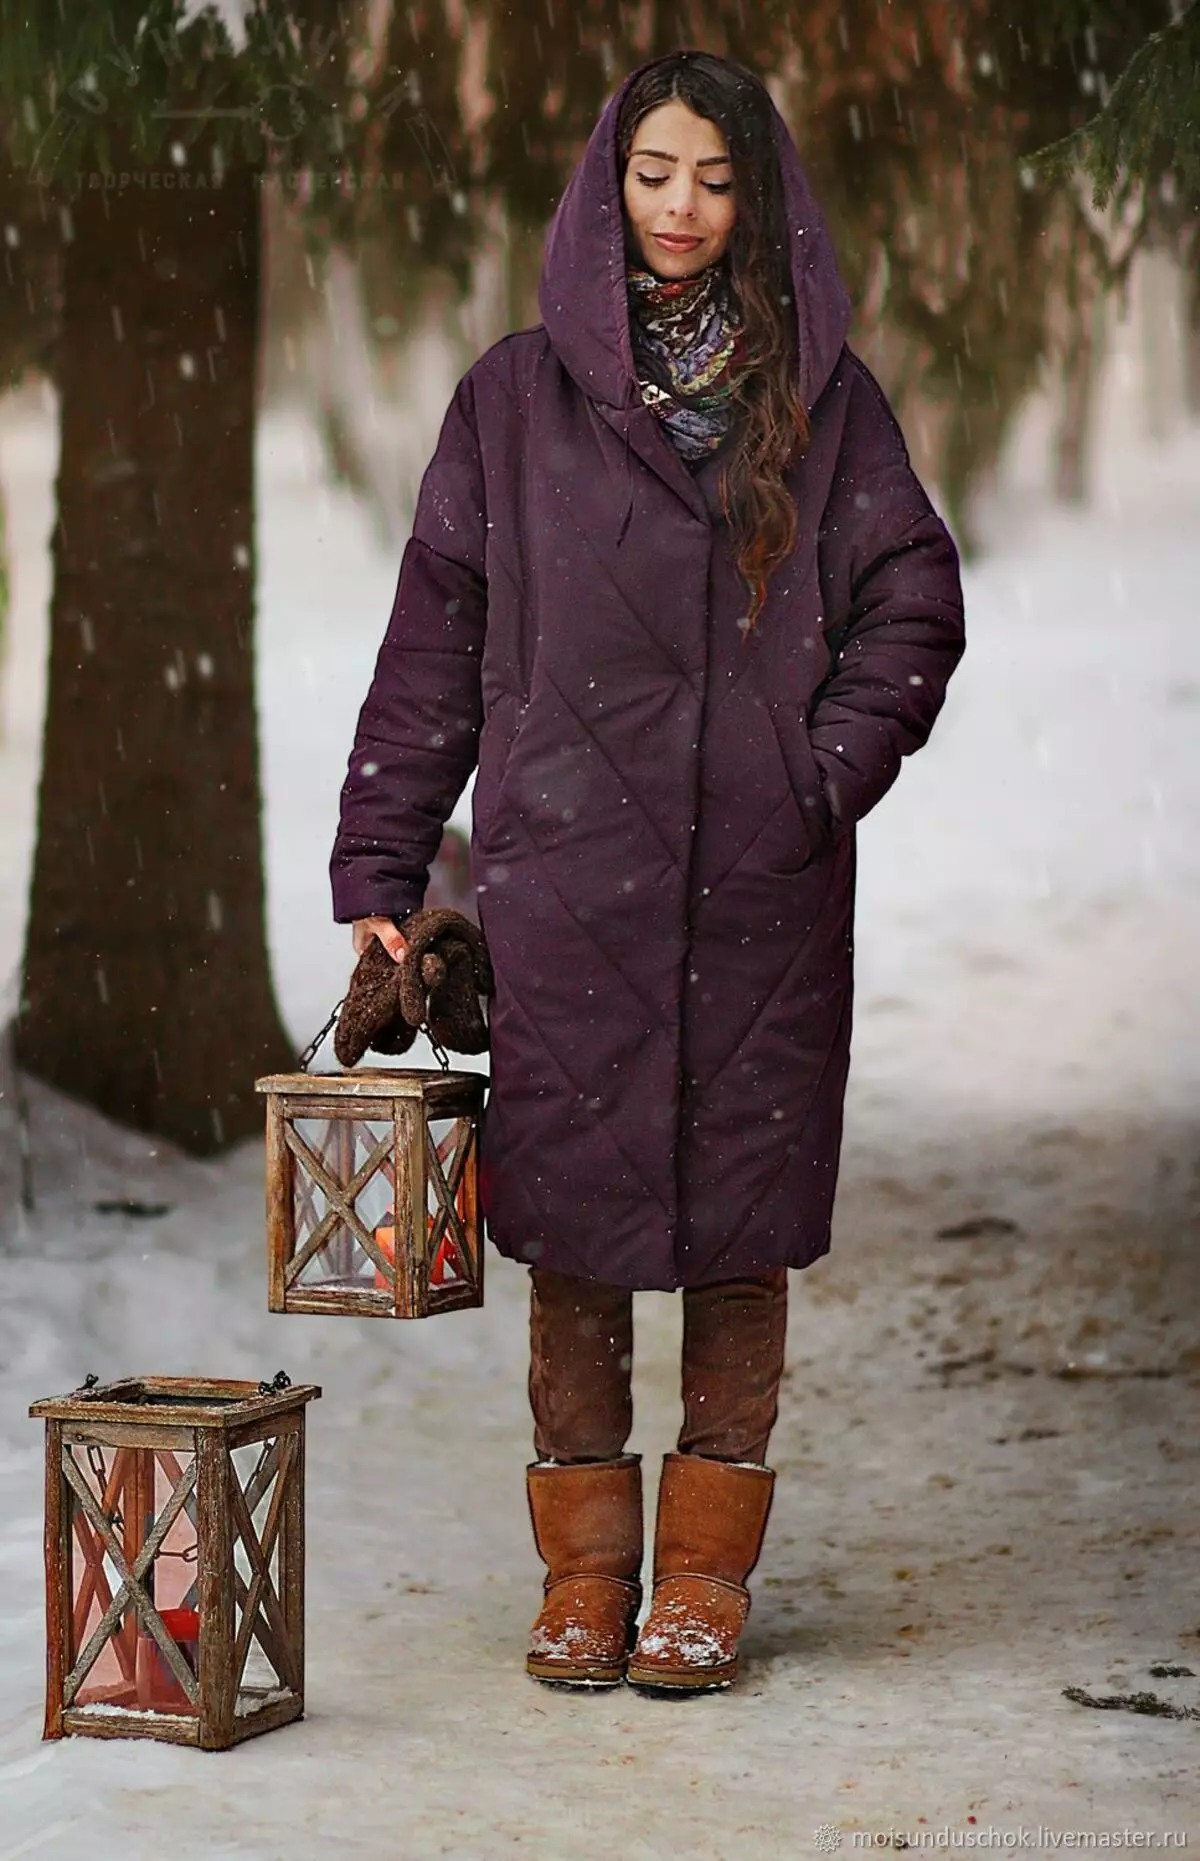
(790, 723)
(497, 740)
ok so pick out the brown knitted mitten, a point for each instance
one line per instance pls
(439, 983)
(448, 961)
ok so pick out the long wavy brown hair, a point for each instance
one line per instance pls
(773, 421)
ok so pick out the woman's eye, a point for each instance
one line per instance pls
(660, 180)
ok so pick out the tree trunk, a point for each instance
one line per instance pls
(1080, 373)
(342, 376)
(147, 988)
(1158, 308)
(1191, 347)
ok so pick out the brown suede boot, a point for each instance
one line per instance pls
(711, 1518)
(587, 1525)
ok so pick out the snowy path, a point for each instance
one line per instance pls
(950, 1547)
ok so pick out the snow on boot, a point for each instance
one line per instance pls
(711, 1518)
(587, 1525)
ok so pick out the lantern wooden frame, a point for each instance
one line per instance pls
(141, 1437)
(426, 1255)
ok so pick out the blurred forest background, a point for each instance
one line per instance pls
(206, 211)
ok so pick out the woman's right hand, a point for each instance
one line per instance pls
(365, 928)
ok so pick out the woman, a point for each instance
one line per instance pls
(673, 585)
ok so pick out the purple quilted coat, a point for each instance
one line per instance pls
(664, 806)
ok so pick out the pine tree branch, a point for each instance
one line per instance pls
(1147, 132)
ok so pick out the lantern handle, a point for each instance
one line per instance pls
(439, 1052)
(311, 1049)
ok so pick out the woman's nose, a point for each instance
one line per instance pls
(683, 202)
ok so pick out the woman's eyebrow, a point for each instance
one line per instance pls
(706, 161)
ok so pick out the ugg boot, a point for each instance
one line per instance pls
(587, 1525)
(711, 1518)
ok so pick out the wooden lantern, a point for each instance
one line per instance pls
(175, 1559)
(372, 1192)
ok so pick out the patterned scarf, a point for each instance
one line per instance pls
(687, 351)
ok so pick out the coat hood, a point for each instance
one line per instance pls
(582, 292)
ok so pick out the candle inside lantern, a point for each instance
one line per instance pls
(385, 1240)
(183, 1624)
(446, 1263)
(158, 1690)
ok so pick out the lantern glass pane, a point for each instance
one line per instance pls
(449, 1138)
(132, 1490)
(349, 1192)
(257, 1649)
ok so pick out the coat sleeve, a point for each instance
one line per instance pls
(891, 576)
(418, 730)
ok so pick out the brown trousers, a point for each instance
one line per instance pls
(581, 1363)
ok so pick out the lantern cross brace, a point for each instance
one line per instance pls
(131, 1588)
(341, 1204)
(306, 1206)
(93, 1583)
(445, 1188)
(305, 1187)
(261, 1597)
(256, 1489)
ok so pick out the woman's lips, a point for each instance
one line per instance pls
(677, 244)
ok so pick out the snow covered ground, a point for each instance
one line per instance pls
(987, 1454)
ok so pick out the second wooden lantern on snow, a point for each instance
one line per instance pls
(175, 1559)
(372, 1192)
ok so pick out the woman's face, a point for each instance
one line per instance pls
(679, 180)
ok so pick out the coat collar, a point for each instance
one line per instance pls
(582, 292)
